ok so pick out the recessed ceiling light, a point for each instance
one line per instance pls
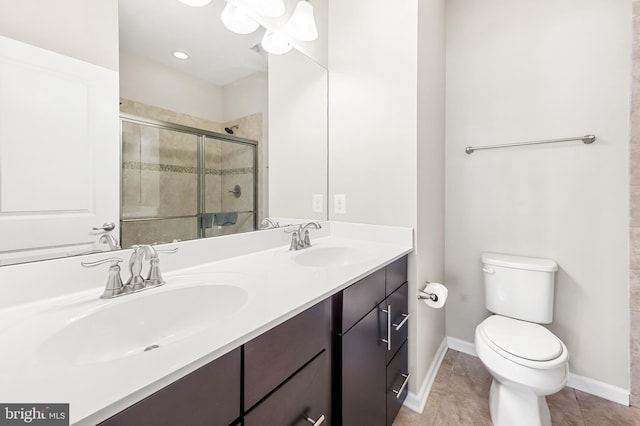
(180, 55)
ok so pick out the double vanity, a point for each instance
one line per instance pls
(245, 331)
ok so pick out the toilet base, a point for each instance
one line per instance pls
(511, 404)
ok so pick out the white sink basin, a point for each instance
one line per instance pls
(330, 256)
(132, 324)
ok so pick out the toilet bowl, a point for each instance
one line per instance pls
(527, 362)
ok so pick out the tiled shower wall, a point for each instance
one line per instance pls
(159, 170)
(634, 201)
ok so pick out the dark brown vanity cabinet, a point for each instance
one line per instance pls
(209, 396)
(342, 361)
(370, 360)
(287, 371)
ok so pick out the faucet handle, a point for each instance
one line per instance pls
(295, 244)
(114, 286)
(306, 242)
(154, 279)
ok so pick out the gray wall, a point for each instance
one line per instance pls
(519, 71)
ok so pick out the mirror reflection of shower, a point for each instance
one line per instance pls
(230, 129)
(182, 183)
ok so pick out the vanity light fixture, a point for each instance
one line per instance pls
(271, 8)
(276, 43)
(195, 3)
(243, 17)
(180, 55)
(302, 25)
(236, 18)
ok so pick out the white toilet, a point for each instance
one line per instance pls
(526, 360)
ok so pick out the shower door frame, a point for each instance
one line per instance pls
(202, 136)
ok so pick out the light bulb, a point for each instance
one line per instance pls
(302, 25)
(272, 8)
(236, 19)
(275, 43)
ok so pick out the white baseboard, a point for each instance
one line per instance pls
(462, 346)
(597, 388)
(416, 402)
(581, 383)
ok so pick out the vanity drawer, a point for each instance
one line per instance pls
(274, 356)
(208, 396)
(396, 274)
(361, 297)
(397, 372)
(397, 303)
(305, 395)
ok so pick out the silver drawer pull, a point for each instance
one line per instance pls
(404, 384)
(399, 326)
(388, 339)
(315, 422)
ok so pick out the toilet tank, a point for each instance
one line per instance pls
(519, 287)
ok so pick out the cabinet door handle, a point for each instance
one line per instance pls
(388, 339)
(399, 326)
(315, 422)
(404, 384)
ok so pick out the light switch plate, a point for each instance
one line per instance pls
(340, 203)
(317, 203)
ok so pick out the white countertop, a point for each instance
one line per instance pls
(277, 288)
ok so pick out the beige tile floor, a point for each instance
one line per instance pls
(460, 396)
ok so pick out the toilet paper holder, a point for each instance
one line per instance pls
(426, 295)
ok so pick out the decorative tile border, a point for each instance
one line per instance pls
(155, 167)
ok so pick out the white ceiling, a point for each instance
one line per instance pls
(155, 28)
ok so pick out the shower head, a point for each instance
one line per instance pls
(230, 129)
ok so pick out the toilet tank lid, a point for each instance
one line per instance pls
(519, 262)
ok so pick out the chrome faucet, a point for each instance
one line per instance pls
(136, 282)
(300, 237)
(110, 240)
(268, 223)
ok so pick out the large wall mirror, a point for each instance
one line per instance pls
(213, 144)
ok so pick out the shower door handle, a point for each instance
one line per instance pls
(107, 226)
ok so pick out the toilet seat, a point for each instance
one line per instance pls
(522, 342)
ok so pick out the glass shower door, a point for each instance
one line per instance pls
(159, 196)
(229, 187)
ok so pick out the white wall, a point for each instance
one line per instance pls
(386, 137)
(83, 29)
(373, 110)
(246, 96)
(151, 83)
(520, 71)
(429, 324)
(297, 136)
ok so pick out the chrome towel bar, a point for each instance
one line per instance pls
(587, 139)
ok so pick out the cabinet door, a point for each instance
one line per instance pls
(210, 396)
(397, 306)
(301, 400)
(397, 383)
(274, 356)
(363, 367)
